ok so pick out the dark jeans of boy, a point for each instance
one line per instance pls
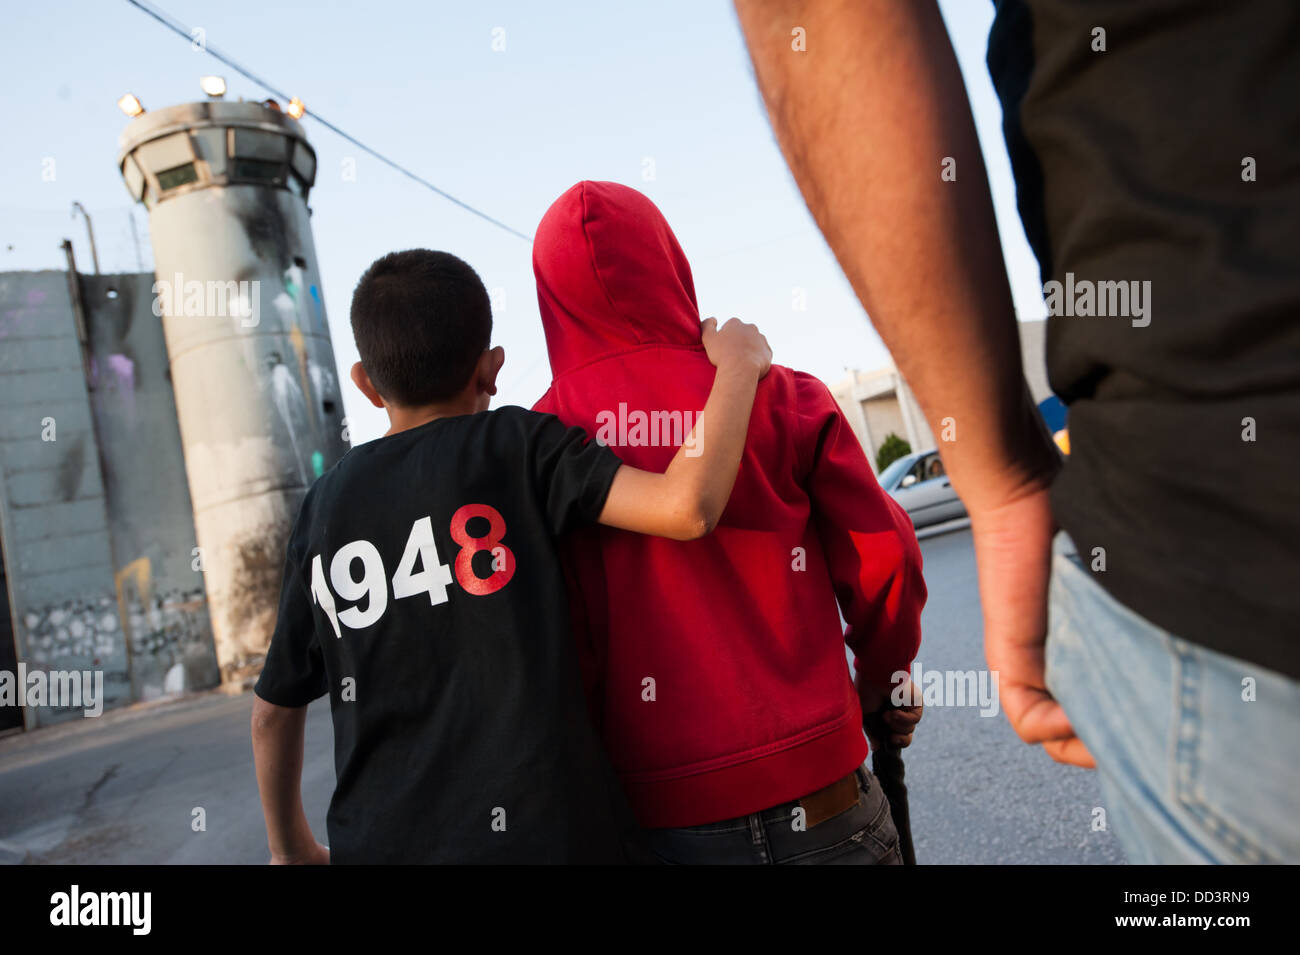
(862, 834)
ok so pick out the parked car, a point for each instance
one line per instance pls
(919, 483)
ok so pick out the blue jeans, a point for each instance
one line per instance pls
(1198, 752)
(860, 835)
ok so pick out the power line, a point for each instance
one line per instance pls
(181, 29)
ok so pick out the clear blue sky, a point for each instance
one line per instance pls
(583, 90)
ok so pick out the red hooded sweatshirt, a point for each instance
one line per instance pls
(715, 668)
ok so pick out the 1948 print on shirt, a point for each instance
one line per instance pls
(433, 577)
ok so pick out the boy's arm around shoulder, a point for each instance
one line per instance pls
(687, 500)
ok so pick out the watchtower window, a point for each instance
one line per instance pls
(258, 170)
(259, 144)
(178, 176)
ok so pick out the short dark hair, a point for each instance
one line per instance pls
(421, 320)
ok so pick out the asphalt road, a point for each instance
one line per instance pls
(125, 788)
(977, 794)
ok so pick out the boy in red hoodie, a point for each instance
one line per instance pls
(715, 668)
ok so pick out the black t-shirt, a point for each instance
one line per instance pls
(1170, 158)
(422, 591)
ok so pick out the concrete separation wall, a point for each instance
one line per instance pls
(158, 577)
(53, 515)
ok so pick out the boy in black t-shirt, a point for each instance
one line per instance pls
(422, 592)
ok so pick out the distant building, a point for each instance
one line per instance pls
(879, 403)
(1033, 358)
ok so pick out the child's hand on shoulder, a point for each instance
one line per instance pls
(736, 344)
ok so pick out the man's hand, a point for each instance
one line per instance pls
(1013, 550)
(889, 725)
(314, 854)
(736, 344)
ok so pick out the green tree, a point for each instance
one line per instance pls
(891, 449)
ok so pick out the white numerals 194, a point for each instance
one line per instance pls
(432, 578)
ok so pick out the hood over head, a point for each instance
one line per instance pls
(610, 276)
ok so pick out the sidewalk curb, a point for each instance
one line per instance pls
(21, 740)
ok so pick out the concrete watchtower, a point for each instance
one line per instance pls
(251, 363)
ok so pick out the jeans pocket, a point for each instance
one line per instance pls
(867, 835)
(1211, 767)
(864, 847)
(881, 829)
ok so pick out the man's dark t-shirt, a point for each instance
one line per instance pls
(423, 593)
(1171, 157)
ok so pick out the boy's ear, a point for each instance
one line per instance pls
(362, 381)
(489, 366)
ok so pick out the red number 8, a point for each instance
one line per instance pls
(469, 546)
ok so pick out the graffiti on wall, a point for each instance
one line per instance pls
(85, 628)
(117, 378)
(77, 634)
(314, 382)
(169, 644)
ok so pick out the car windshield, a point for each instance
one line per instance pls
(889, 477)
